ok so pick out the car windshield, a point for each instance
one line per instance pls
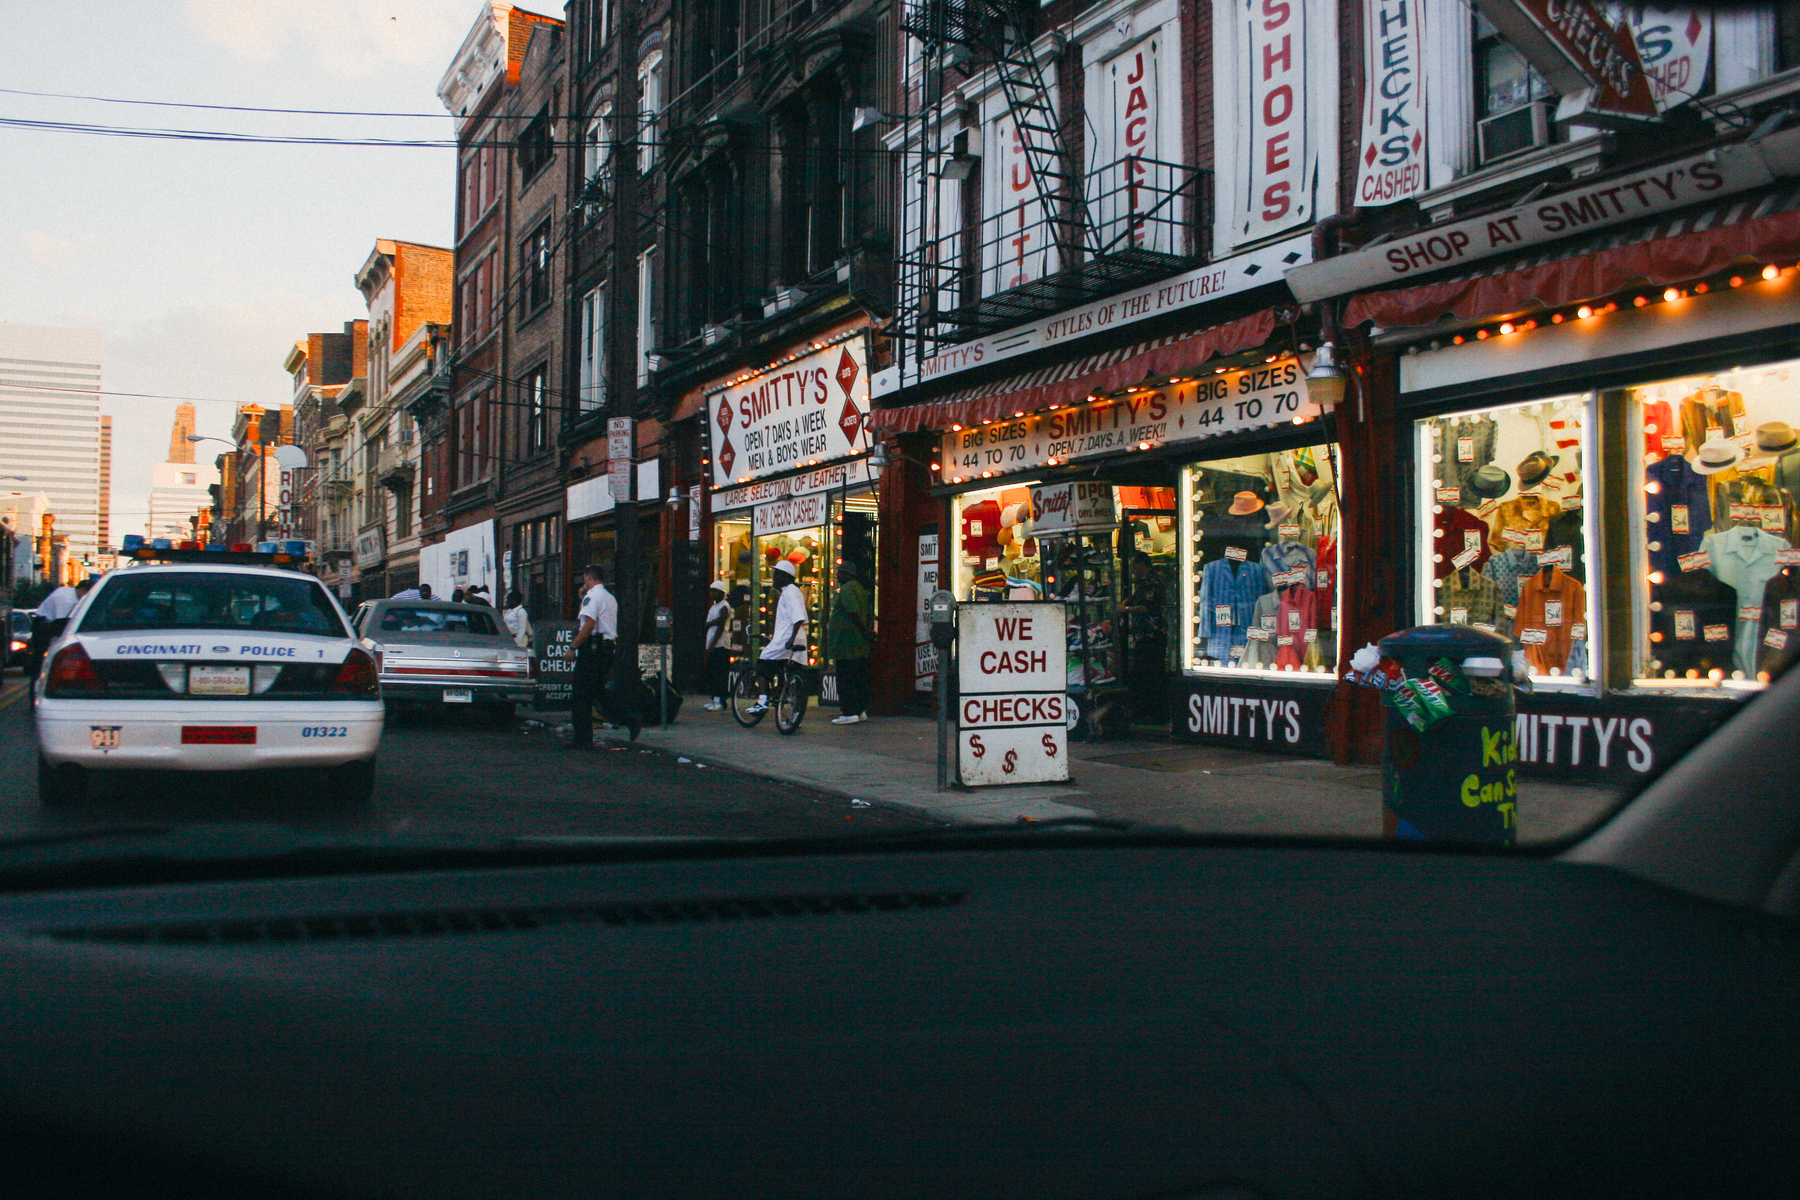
(172, 600)
(842, 423)
(436, 620)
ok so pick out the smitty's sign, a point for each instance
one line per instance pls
(1012, 700)
(793, 415)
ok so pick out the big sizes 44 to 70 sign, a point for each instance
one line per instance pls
(1012, 693)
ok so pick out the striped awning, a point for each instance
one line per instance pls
(1757, 227)
(1073, 381)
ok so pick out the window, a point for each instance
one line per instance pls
(373, 508)
(537, 417)
(475, 432)
(650, 74)
(178, 600)
(436, 620)
(1257, 562)
(593, 351)
(535, 145)
(403, 499)
(185, 478)
(1508, 551)
(813, 197)
(597, 148)
(535, 255)
(646, 313)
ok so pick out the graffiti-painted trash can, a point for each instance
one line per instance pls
(1449, 766)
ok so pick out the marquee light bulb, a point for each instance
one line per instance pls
(1584, 312)
(1770, 271)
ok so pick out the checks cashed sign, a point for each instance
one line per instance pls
(1012, 694)
(1392, 166)
(793, 415)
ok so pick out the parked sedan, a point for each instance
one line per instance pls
(440, 655)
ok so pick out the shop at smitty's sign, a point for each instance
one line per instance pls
(793, 415)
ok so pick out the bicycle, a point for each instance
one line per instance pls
(788, 697)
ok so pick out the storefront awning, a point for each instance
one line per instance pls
(1687, 246)
(1072, 382)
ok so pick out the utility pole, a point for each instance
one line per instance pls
(623, 337)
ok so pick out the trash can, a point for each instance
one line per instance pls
(1449, 765)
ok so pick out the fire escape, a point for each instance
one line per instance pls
(1117, 226)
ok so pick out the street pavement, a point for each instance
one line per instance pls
(456, 777)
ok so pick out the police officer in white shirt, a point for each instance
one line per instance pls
(787, 641)
(50, 619)
(596, 642)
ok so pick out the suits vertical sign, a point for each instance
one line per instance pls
(1281, 159)
(1392, 165)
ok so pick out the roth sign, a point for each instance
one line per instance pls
(1012, 695)
(792, 415)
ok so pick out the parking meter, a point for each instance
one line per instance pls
(665, 626)
(940, 612)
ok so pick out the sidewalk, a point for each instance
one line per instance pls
(893, 761)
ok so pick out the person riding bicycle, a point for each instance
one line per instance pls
(787, 641)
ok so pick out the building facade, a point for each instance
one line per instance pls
(50, 425)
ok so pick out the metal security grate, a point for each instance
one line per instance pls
(444, 922)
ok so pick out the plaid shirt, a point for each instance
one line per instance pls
(1506, 569)
(1476, 598)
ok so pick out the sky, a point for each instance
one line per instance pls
(202, 263)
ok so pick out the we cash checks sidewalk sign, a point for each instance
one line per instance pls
(1012, 693)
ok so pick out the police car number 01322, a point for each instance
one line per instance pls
(324, 731)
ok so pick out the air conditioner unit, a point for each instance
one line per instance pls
(1514, 132)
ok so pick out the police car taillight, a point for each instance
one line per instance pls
(72, 673)
(359, 676)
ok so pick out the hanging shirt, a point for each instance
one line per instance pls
(1295, 618)
(1506, 569)
(1281, 557)
(1566, 531)
(1259, 639)
(1228, 595)
(1744, 559)
(1549, 611)
(1678, 513)
(1659, 423)
(1471, 598)
(1779, 640)
(1516, 521)
(790, 615)
(1693, 625)
(1456, 532)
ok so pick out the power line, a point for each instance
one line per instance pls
(305, 112)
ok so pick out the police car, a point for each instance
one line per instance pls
(207, 661)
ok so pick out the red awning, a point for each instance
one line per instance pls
(1699, 242)
(1072, 382)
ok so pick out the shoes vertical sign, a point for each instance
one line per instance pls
(1012, 694)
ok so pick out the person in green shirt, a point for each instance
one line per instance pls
(848, 636)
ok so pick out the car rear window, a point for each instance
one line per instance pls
(207, 600)
(436, 620)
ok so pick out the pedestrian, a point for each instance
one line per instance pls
(848, 637)
(718, 651)
(596, 645)
(518, 620)
(411, 593)
(424, 591)
(1147, 640)
(478, 595)
(456, 597)
(787, 641)
(50, 619)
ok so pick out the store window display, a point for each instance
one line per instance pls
(1508, 542)
(1259, 584)
(998, 556)
(1720, 470)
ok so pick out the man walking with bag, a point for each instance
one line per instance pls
(847, 641)
(596, 645)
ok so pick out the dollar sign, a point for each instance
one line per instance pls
(1049, 746)
(1012, 758)
(976, 746)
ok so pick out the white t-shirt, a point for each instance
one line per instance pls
(717, 618)
(519, 621)
(790, 614)
(599, 607)
(58, 604)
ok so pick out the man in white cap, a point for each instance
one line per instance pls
(718, 654)
(787, 641)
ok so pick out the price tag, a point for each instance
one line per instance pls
(1749, 612)
(1465, 449)
(974, 528)
(1790, 614)
(1553, 613)
(1678, 518)
(1465, 558)
(1718, 633)
(1695, 561)
(1484, 625)
(1459, 616)
(1235, 553)
(1288, 530)
(1513, 537)
(1534, 539)
(1775, 639)
(1449, 495)
(1237, 652)
(1684, 624)
(1578, 632)
(1571, 503)
(1312, 635)
(1745, 442)
(1772, 517)
(1745, 512)
(1788, 558)
(1222, 614)
(1673, 442)
(1562, 556)
(1266, 622)
(993, 561)
(1257, 633)
(1532, 637)
(1293, 621)
(1511, 610)
(1286, 639)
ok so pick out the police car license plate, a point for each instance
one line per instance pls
(218, 681)
(459, 696)
(105, 737)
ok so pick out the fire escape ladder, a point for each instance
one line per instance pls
(1058, 182)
